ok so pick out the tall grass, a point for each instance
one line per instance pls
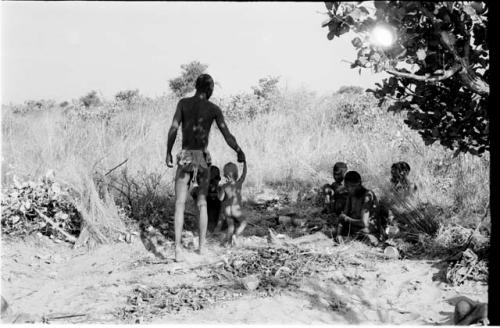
(295, 144)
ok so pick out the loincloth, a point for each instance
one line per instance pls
(192, 161)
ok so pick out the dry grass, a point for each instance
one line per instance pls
(296, 144)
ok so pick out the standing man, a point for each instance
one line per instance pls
(196, 114)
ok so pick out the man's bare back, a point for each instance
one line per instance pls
(197, 118)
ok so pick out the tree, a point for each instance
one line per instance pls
(350, 89)
(268, 86)
(186, 82)
(439, 64)
(127, 96)
(90, 99)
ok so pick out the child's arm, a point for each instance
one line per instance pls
(220, 194)
(244, 173)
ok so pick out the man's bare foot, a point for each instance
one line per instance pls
(179, 255)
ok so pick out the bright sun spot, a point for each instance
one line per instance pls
(382, 36)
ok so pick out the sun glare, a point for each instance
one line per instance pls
(382, 36)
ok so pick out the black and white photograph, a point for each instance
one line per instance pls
(263, 163)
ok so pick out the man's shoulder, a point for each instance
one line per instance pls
(213, 106)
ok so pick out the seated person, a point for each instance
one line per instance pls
(399, 179)
(230, 195)
(336, 194)
(395, 203)
(358, 219)
(213, 202)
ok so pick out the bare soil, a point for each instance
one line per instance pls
(42, 279)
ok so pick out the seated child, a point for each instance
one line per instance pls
(213, 202)
(399, 179)
(336, 194)
(401, 191)
(358, 218)
(230, 195)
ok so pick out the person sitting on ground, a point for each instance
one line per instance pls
(358, 219)
(213, 202)
(336, 194)
(399, 179)
(230, 195)
(394, 203)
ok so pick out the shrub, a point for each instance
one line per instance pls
(91, 99)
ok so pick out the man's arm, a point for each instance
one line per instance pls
(244, 173)
(172, 133)
(230, 139)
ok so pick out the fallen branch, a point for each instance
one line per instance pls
(54, 225)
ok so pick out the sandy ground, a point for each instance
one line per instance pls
(41, 278)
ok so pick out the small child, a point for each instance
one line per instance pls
(230, 195)
(336, 193)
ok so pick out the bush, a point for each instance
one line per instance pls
(91, 99)
(185, 83)
(127, 96)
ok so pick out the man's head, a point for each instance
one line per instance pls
(352, 182)
(231, 171)
(214, 175)
(339, 170)
(399, 171)
(205, 84)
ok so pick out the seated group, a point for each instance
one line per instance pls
(355, 210)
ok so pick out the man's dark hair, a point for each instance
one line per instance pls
(205, 83)
(352, 177)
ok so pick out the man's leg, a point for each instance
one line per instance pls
(203, 180)
(181, 190)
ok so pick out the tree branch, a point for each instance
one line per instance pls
(468, 77)
(426, 78)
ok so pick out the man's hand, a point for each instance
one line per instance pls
(241, 156)
(169, 161)
(343, 218)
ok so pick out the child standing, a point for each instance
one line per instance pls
(230, 195)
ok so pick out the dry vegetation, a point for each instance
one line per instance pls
(291, 145)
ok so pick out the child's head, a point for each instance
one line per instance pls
(352, 182)
(214, 175)
(231, 171)
(399, 171)
(339, 170)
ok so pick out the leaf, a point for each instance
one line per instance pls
(326, 22)
(356, 42)
(375, 57)
(381, 5)
(421, 54)
(330, 5)
(357, 14)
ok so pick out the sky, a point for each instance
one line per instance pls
(62, 50)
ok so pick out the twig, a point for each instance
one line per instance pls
(54, 225)
(64, 316)
(114, 168)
